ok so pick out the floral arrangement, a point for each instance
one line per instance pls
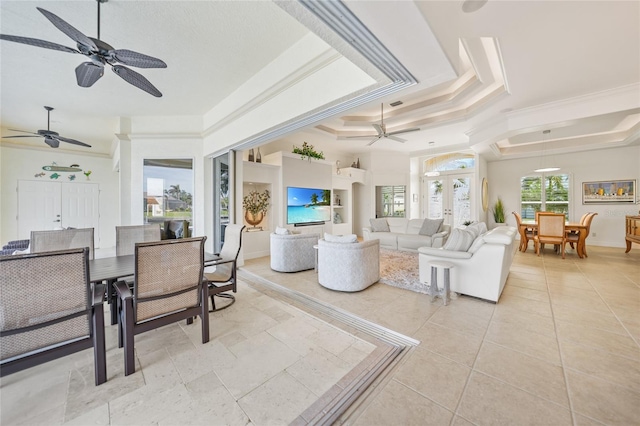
(256, 202)
(308, 152)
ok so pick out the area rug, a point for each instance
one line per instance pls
(400, 269)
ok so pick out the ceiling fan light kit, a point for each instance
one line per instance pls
(99, 54)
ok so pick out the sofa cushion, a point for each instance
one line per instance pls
(281, 231)
(431, 226)
(379, 225)
(349, 238)
(459, 240)
(409, 242)
(481, 227)
(414, 226)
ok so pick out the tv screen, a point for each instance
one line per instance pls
(308, 205)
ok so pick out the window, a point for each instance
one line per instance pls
(390, 201)
(553, 196)
(168, 190)
(449, 162)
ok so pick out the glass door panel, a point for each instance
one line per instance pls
(448, 197)
(221, 201)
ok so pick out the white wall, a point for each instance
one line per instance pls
(606, 164)
(25, 163)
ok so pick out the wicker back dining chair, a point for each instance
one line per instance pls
(62, 239)
(550, 231)
(223, 278)
(49, 310)
(167, 287)
(128, 236)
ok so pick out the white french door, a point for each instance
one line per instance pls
(46, 205)
(448, 197)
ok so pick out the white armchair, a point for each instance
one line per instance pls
(348, 266)
(293, 252)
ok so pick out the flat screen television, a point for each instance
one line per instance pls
(308, 205)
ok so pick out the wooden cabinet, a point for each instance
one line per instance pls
(632, 233)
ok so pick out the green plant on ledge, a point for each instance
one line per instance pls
(498, 211)
(307, 151)
(256, 202)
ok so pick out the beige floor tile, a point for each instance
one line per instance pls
(319, 370)
(524, 320)
(604, 365)
(603, 401)
(215, 402)
(600, 320)
(99, 416)
(537, 284)
(278, 401)
(460, 321)
(487, 401)
(523, 304)
(399, 405)
(599, 339)
(540, 295)
(434, 377)
(459, 347)
(538, 345)
(524, 372)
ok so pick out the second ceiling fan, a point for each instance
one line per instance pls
(99, 53)
(382, 131)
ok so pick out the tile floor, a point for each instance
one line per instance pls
(561, 347)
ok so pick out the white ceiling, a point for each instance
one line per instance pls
(490, 81)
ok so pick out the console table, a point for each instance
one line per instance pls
(632, 233)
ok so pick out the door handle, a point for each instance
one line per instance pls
(57, 220)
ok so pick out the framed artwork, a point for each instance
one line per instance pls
(609, 191)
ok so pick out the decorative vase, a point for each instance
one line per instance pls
(358, 163)
(253, 219)
(251, 157)
(258, 157)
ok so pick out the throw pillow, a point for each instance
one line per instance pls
(379, 225)
(481, 227)
(459, 240)
(349, 238)
(431, 226)
(281, 231)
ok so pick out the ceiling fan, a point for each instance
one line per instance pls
(382, 131)
(99, 53)
(51, 138)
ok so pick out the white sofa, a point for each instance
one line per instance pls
(404, 235)
(482, 270)
(348, 266)
(293, 252)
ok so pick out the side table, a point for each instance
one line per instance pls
(433, 287)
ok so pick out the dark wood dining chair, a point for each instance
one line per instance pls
(550, 231)
(167, 287)
(49, 310)
(223, 279)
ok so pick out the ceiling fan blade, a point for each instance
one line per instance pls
(24, 131)
(395, 138)
(135, 59)
(53, 143)
(397, 132)
(361, 137)
(69, 30)
(378, 128)
(88, 73)
(37, 43)
(73, 141)
(136, 79)
(21, 136)
(376, 139)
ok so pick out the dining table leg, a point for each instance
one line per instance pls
(580, 249)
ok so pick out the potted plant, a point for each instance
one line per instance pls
(256, 205)
(498, 212)
(307, 151)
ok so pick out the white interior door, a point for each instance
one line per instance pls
(448, 197)
(46, 205)
(79, 207)
(38, 207)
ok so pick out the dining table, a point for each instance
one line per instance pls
(110, 269)
(578, 228)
